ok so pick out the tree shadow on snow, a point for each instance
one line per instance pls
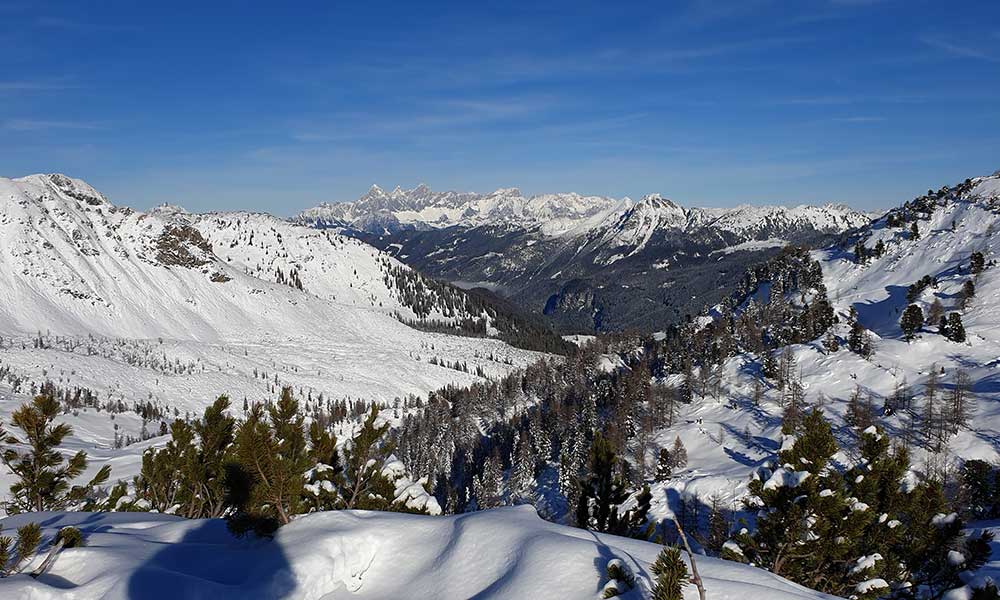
(882, 317)
(209, 562)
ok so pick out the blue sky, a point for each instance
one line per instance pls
(265, 107)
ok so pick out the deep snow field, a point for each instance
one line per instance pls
(502, 553)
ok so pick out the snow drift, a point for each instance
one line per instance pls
(502, 553)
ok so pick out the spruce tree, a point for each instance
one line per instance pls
(914, 231)
(489, 485)
(44, 477)
(911, 321)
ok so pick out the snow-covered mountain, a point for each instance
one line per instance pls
(421, 208)
(174, 309)
(585, 262)
(729, 438)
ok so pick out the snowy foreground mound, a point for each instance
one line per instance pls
(502, 553)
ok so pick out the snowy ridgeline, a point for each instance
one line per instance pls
(502, 553)
(623, 221)
(172, 309)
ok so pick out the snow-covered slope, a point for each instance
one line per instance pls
(730, 438)
(503, 553)
(174, 309)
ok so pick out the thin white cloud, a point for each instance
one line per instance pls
(957, 49)
(42, 125)
(858, 119)
(33, 86)
(55, 22)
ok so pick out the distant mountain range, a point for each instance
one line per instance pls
(588, 263)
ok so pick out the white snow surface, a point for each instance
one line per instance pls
(501, 553)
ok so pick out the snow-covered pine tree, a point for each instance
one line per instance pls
(522, 470)
(956, 330)
(489, 485)
(799, 504)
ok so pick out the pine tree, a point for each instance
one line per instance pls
(522, 471)
(671, 574)
(44, 477)
(664, 465)
(956, 331)
(978, 480)
(914, 231)
(15, 553)
(879, 249)
(265, 482)
(718, 524)
(795, 520)
(860, 252)
(968, 293)
(603, 490)
(489, 485)
(911, 321)
(830, 342)
(977, 263)
(366, 485)
(569, 473)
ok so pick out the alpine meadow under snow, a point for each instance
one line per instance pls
(833, 423)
